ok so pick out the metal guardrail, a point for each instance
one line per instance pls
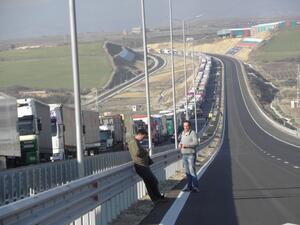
(19, 183)
(119, 187)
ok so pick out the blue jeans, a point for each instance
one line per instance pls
(189, 161)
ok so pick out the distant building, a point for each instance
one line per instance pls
(138, 30)
(253, 30)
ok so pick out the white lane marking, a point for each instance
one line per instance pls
(273, 156)
(289, 224)
(297, 146)
(285, 162)
(296, 167)
(268, 154)
(173, 213)
(278, 159)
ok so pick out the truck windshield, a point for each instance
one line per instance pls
(53, 128)
(105, 134)
(26, 127)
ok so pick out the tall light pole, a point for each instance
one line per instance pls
(76, 86)
(194, 81)
(173, 75)
(146, 77)
(298, 86)
(185, 72)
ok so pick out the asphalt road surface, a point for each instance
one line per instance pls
(254, 179)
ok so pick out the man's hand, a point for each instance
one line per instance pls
(181, 146)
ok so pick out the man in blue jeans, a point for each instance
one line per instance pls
(188, 146)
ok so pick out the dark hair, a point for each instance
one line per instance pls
(142, 132)
(187, 121)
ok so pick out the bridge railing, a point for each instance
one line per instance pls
(106, 194)
(19, 183)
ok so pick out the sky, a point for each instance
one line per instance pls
(33, 18)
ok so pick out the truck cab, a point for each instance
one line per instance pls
(34, 129)
(106, 138)
(57, 132)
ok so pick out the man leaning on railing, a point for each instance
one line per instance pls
(142, 161)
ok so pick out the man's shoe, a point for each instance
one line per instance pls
(160, 200)
(187, 189)
(195, 189)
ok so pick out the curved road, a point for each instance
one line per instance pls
(108, 94)
(254, 179)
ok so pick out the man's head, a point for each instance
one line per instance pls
(186, 126)
(141, 134)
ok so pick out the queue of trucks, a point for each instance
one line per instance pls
(34, 132)
(162, 124)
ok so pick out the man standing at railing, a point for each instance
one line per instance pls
(188, 146)
(142, 161)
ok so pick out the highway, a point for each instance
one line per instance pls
(254, 179)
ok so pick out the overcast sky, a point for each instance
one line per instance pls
(29, 18)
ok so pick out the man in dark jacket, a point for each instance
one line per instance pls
(141, 160)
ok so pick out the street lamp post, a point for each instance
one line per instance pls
(194, 84)
(173, 75)
(76, 86)
(185, 72)
(146, 77)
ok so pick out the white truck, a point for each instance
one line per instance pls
(64, 132)
(9, 135)
(91, 132)
(106, 137)
(115, 125)
(35, 131)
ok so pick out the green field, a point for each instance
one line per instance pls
(284, 45)
(51, 67)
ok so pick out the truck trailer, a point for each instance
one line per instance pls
(64, 132)
(9, 134)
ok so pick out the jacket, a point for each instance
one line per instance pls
(138, 154)
(190, 141)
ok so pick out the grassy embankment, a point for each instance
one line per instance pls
(285, 45)
(51, 67)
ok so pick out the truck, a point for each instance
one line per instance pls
(63, 129)
(9, 134)
(91, 138)
(106, 137)
(35, 131)
(169, 115)
(160, 123)
(155, 135)
(114, 123)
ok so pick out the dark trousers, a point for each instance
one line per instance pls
(150, 181)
